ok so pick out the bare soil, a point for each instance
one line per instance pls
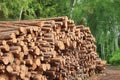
(111, 73)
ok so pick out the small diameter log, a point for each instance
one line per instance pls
(38, 77)
(31, 44)
(28, 38)
(13, 77)
(37, 61)
(49, 54)
(25, 50)
(12, 48)
(2, 67)
(48, 39)
(23, 71)
(21, 43)
(23, 30)
(54, 19)
(3, 42)
(48, 35)
(15, 50)
(5, 60)
(58, 59)
(5, 48)
(46, 29)
(8, 58)
(41, 58)
(42, 67)
(35, 50)
(59, 23)
(11, 41)
(51, 74)
(1, 53)
(14, 30)
(34, 66)
(67, 41)
(29, 62)
(48, 66)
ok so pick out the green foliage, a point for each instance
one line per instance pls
(102, 17)
(32, 9)
(115, 59)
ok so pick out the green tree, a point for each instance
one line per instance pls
(102, 17)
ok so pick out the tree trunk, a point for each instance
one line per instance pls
(107, 48)
(102, 51)
(72, 7)
(113, 47)
(116, 37)
(20, 16)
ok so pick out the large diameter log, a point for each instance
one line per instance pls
(7, 35)
(9, 69)
(4, 77)
(60, 45)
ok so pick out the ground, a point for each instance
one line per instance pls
(111, 73)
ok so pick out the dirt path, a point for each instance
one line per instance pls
(111, 73)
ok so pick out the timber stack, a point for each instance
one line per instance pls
(47, 49)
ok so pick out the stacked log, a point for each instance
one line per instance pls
(47, 49)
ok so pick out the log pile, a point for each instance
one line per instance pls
(47, 49)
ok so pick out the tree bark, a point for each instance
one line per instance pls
(20, 16)
(103, 51)
(72, 7)
(116, 37)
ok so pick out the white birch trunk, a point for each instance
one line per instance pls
(103, 51)
(116, 38)
(72, 7)
(20, 15)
